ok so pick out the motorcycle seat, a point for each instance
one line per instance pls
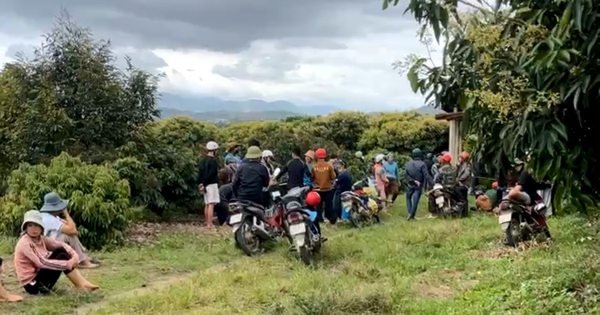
(251, 206)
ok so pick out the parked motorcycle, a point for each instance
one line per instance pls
(521, 223)
(253, 225)
(356, 202)
(302, 230)
(446, 205)
(299, 224)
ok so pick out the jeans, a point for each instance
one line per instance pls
(337, 204)
(326, 207)
(413, 195)
(463, 194)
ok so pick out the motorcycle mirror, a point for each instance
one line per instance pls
(276, 172)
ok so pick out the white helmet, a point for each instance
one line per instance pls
(211, 146)
(267, 153)
(379, 158)
(358, 154)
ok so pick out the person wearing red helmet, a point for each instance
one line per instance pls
(446, 177)
(323, 176)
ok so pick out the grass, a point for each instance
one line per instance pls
(400, 267)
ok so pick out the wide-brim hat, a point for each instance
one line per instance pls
(53, 202)
(253, 152)
(32, 216)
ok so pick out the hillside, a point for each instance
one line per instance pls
(218, 110)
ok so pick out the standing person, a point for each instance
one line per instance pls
(416, 176)
(309, 159)
(296, 170)
(208, 179)
(343, 183)
(463, 179)
(391, 169)
(435, 169)
(268, 160)
(59, 226)
(39, 260)
(233, 153)
(323, 176)
(251, 178)
(381, 179)
(6, 296)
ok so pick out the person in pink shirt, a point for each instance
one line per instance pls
(381, 179)
(40, 260)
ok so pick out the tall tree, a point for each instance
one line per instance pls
(526, 75)
(71, 97)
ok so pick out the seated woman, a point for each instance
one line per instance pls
(6, 296)
(40, 260)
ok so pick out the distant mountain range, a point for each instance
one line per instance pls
(218, 110)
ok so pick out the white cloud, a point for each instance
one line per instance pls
(357, 76)
(360, 76)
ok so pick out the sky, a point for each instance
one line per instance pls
(336, 52)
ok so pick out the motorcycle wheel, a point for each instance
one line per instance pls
(249, 243)
(306, 254)
(513, 233)
(358, 220)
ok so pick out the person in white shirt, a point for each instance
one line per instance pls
(59, 226)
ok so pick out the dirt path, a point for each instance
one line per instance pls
(163, 283)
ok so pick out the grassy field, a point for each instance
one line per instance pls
(399, 267)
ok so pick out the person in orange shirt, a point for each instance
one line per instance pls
(323, 176)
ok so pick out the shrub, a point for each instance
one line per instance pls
(99, 199)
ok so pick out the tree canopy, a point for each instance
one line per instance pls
(525, 74)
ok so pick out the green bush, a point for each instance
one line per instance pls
(99, 198)
(162, 172)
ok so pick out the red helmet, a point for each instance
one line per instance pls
(320, 153)
(495, 185)
(447, 158)
(313, 199)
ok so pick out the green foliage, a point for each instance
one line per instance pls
(526, 76)
(99, 199)
(71, 97)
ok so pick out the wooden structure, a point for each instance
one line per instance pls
(455, 142)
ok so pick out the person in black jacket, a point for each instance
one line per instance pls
(296, 170)
(208, 182)
(251, 177)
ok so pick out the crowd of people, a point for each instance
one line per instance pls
(49, 245)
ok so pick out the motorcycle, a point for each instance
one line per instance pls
(253, 225)
(299, 222)
(522, 223)
(356, 202)
(446, 205)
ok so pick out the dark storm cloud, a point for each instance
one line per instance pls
(219, 25)
(270, 68)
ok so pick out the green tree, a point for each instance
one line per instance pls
(71, 97)
(525, 74)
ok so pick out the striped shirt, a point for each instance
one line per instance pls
(32, 255)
